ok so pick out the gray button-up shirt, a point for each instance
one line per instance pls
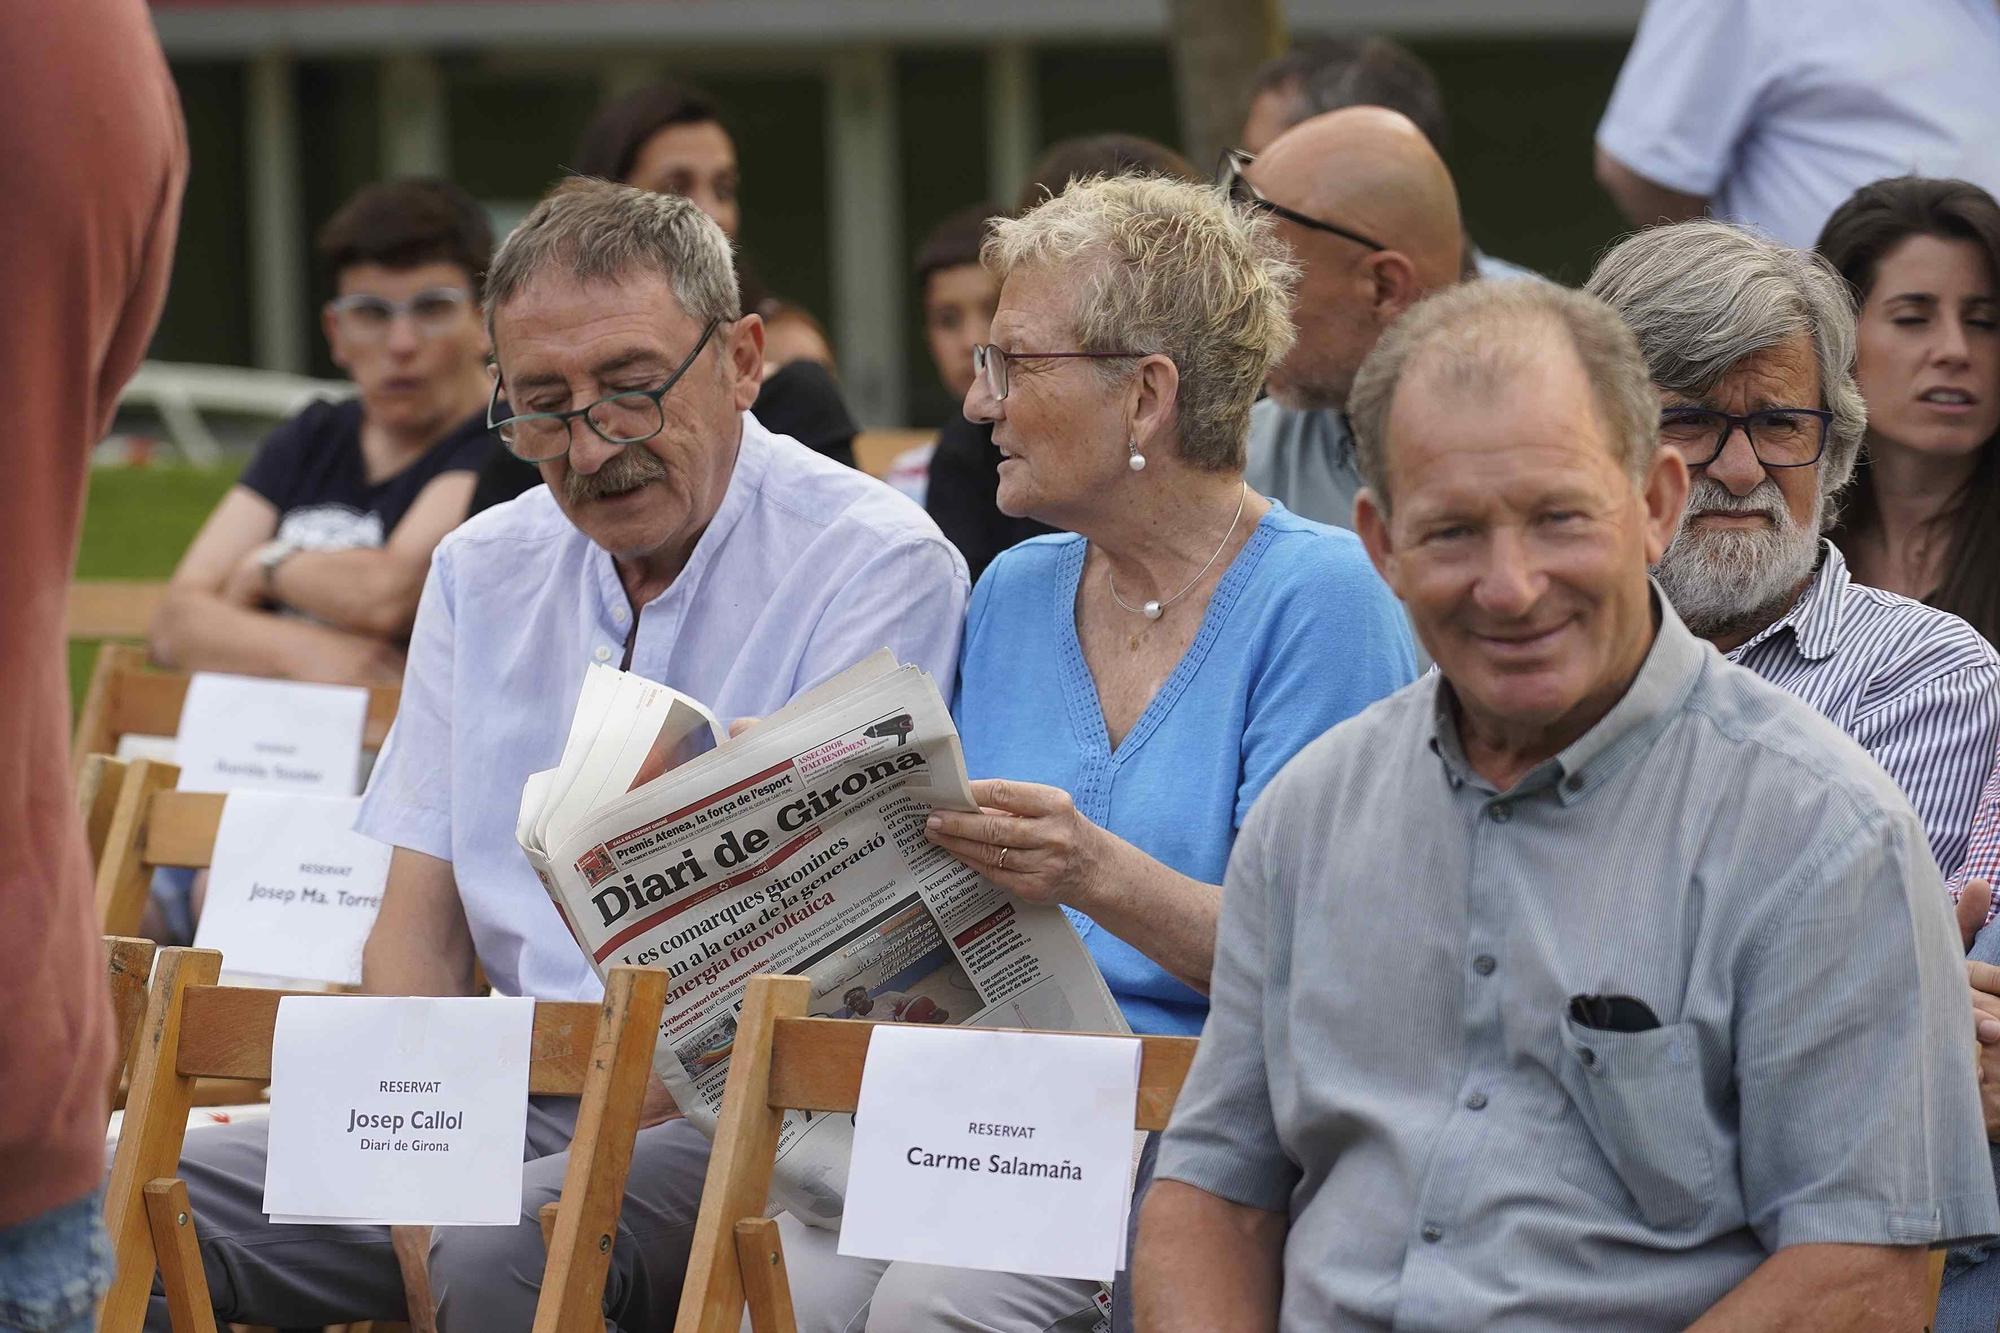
(1392, 1060)
(1306, 459)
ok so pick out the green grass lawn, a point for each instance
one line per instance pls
(136, 523)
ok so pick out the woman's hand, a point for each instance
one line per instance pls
(1028, 839)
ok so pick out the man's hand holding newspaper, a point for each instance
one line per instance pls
(795, 846)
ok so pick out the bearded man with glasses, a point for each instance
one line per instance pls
(1751, 347)
(675, 537)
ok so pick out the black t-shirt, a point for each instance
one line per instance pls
(311, 468)
(965, 479)
(801, 399)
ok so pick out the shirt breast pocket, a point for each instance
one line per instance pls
(1640, 1095)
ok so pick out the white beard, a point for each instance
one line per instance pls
(1724, 581)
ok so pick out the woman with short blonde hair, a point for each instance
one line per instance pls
(1128, 686)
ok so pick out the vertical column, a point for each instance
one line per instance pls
(415, 129)
(866, 241)
(1013, 114)
(277, 221)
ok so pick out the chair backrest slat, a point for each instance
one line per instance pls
(98, 783)
(816, 1066)
(600, 1151)
(129, 964)
(123, 877)
(226, 1033)
(95, 732)
(181, 826)
(147, 703)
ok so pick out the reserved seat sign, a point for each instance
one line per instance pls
(1008, 1151)
(245, 733)
(398, 1110)
(292, 889)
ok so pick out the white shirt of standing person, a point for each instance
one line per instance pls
(1775, 111)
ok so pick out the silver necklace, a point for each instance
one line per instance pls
(1152, 610)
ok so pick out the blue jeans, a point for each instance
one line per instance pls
(54, 1269)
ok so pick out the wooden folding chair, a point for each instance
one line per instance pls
(195, 1028)
(784, 1060)
(151, 826)
(125, 697)
(129, 963)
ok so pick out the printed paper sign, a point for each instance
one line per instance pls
(133, 745)
(398, 1110)
(1007, 1151)
(292, 889)
(240, 732)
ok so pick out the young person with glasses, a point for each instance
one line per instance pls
(311, 566)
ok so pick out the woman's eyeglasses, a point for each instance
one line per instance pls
(991, 362)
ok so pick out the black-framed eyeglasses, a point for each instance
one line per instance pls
(1229, 175)
(366, 317)
(632, 417)
(1779, 436)
(991, 362)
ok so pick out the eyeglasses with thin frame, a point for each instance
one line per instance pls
(366, 317)
(1779, 436)
(1229, 175)
(631, 417)
(991, 362)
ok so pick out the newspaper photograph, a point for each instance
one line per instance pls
(797, 847)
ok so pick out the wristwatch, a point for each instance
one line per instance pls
(272, 555)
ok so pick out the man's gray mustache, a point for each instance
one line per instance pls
(622, 472)
(1712, 497)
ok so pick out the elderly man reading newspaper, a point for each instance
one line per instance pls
(676, 537)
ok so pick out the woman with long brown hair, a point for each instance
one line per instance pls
(1923, 515)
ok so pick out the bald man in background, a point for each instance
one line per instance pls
(1371, 215)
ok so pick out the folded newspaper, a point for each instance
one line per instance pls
(796, 847)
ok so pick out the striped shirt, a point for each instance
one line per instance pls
(1390, 1060)
(1918, 687)
(1982, 853)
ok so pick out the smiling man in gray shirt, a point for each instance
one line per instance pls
(1592, 982)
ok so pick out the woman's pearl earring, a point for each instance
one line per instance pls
(1136, 461)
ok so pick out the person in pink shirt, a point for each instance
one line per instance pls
(91, 131)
